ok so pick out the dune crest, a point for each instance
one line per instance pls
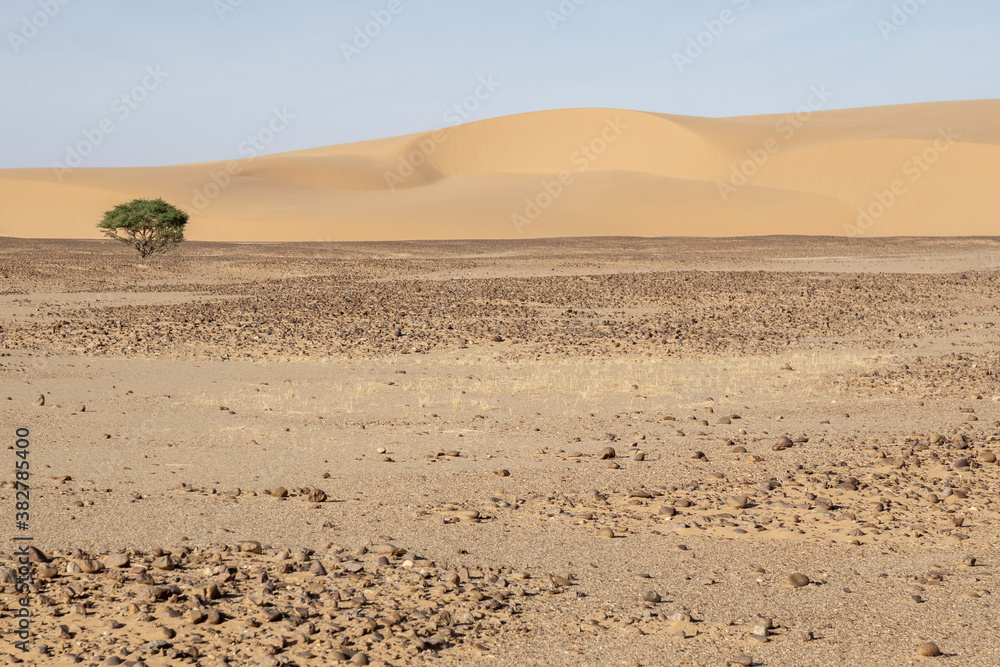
(909, 170)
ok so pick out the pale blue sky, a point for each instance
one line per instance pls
(226, 71)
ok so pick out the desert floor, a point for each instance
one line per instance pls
(439, 417)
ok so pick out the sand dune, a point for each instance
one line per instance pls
(910, 170)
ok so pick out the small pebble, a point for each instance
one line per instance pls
(928, 650)
(797, 580)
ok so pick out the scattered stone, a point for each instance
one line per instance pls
(88, 566)
(784, 442)
(35, 555)
(797, 580)
(251, 547)
(316, 495)
(46, 571)
(928, 650)
(116, 561)
(739, 502)
(164, 563)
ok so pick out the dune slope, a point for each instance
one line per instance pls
(910, 170)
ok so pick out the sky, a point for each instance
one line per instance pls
(144, 83)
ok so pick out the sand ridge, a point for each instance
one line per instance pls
(906, 170)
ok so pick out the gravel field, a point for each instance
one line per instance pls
(767, 451)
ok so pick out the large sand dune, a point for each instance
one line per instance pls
(912, 170)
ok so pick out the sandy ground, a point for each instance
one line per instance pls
(905, 170)
(775, 406)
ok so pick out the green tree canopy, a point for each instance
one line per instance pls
(148, 225)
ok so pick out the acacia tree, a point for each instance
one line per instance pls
(148, 225)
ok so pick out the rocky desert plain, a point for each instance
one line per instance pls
(693, 391)
(582, 451)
